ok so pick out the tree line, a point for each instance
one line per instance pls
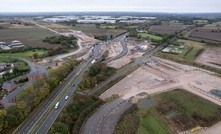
(32, 96)
(70, 42)
(96, 74)
(72, 117)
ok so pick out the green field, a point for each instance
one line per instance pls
(215, 24)
(96, 30)
(201, 21)
(192, 43)
(5, 25)
(84, 27)
(188, 109)
(196, 48)
(189, 52)
(151, 123)
(191, 55)
(144, 35)
(30, 34)
(9, 60)
(190, 104)
(131, 27)
(108, 26)
(27, 54)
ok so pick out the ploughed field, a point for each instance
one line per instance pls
(215, 36)
(166, 29)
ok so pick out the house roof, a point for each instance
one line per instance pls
(2, 64)
(16, 41)
(7, 85)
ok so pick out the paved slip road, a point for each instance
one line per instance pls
(108, 113)
(124, 46)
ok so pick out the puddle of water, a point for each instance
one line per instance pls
(216, 92)
(171, 114)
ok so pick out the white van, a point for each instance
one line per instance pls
(57, 105)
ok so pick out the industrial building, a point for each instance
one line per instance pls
(97, 21)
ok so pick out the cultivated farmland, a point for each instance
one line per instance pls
(166, 29)
(92, 29)
(214, 36)
(28, 36)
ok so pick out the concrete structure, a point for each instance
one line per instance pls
(54, 20)
(9, 86)
(60, 19)
(132, 21)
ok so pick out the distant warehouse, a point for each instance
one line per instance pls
(97, 21)
(132, 21)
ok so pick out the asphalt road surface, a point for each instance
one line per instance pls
(105, 119)
(124, 46)
(27, 125)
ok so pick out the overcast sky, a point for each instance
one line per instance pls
(181, 6)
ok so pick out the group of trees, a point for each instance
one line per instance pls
(74, 114)
(70, 42)
(32, 96)
(96, 74)
(18, 50)
(131, 119)
(59, 50)
(103, 37)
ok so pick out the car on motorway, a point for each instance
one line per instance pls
(73, 85)
(66, 97)
(57, 105)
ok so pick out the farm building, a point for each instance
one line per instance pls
(9, 86)
(16, 44)
(5, 48)
(2, 43)
(167, 49)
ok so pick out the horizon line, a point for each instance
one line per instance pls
(109, 12)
